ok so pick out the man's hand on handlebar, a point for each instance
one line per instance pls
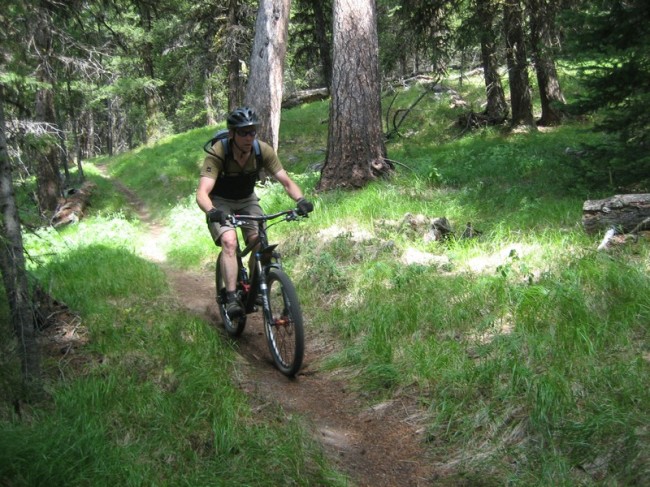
(216, 216)
(304, 207)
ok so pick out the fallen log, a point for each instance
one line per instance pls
(305, 96)
(71, 209)
(625, 212)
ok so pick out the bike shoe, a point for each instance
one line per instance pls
(234, 308)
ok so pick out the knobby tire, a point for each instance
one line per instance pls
(284, 327)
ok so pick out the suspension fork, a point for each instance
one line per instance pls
(261, 285)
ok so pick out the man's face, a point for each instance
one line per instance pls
(245, 137)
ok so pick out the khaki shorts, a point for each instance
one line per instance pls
(246, 206)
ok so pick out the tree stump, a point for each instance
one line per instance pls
(625, 212)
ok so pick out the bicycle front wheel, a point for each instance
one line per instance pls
(234, 326)
(283, 323)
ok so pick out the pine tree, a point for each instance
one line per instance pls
(616, 78)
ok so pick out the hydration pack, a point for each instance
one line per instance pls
(222, 135)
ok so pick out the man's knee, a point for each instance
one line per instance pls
(229, 241)
(252, 237)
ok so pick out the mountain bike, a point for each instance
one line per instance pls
(271, 288)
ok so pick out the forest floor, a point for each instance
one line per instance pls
(378, 445)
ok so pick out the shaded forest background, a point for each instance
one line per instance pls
(87, 78)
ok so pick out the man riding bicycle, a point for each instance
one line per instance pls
(227, 186)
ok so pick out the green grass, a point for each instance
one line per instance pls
(164, 172)
(517, 354)
(304, 136)
(153, 402)
(527, 348)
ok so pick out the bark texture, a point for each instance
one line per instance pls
(520, 97)
(355, 145)
(496, 110)
(47, 172)
(542, 36)
(264, 89)
(234, 83)
(625, 212)
(12, 266)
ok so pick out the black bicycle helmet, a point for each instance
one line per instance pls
(242, 117)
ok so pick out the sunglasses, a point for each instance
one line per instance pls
(246, 133)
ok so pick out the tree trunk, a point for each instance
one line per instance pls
(355, 145)
(208, 99)
(324, 47)
(47, 174)
(118, 126)
(110, 129)
(520, 96)
(234, 82)
(496, 110)
(77, 144)
(542, 33)
(64, 155)
(74, 121)
(151, 95)
(88, 146)
(12, 267)
(623, 211)
(264, 89)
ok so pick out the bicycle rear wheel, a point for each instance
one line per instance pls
(235, 326)
(283, 324)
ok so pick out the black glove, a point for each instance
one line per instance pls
(217, 216)
(304, 206)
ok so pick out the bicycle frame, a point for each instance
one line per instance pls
(282, 315)
(265, 256)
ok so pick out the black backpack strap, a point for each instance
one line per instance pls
(207, 147)
(226, 152)
(258, 154)
(219, 135)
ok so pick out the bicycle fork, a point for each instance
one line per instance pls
(262, 287)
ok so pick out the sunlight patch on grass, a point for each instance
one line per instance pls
(114, 230)
(490, 263)
(355, 234)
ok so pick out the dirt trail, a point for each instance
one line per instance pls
(375, 446)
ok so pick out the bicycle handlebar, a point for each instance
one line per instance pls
(289, 215)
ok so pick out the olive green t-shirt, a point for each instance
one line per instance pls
(214, 166)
